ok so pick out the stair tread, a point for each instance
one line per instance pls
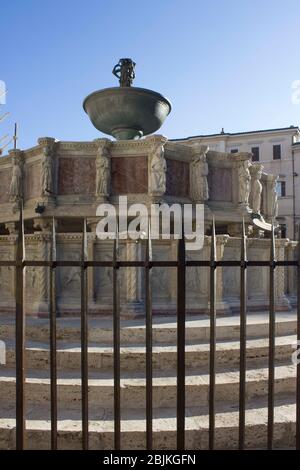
(225, 344)
(158, 322)
(164, 377)
(38, 417)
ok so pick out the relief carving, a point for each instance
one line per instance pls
(16, 186)
(199, 173)
(244, 182)
(103, 169)
(47, 185)
(256, 188)
(158, 169)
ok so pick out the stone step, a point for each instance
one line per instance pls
(133, 426)
(164, 328)
(133, 384)
(133, 356)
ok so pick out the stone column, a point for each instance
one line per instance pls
(134, 305)
(291, 252)
(221, 304)
(91, 240)
(43, 238)
(281, 300)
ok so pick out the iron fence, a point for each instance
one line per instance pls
(181, 265)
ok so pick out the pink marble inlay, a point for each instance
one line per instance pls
(178, 178)
(129, 175)
(76, 175)
(220, 184)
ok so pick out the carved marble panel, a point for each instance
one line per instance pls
(35, 281)
(197, 281)
(103, 276)
(163, 279)
(258, 277)
(231, 274)
(6, 276)
(68, 278)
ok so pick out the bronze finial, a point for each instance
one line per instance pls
(124, 71)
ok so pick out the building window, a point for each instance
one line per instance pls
(255, 154)
(280, 188)
(234, 150)
(276, 152)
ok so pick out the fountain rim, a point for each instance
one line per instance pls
(122, 90)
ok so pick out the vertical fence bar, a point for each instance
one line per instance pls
(181, 287)
(84, 343)
(243, 336)
(271, 342)
(20, 337)
(53, 365)
(116, 344)
(149, 371)
(298, 346)
(212, 350)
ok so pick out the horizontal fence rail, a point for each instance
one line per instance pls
(181, 264)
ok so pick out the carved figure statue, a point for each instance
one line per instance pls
(47, 171)
(158, 170)
(103, 170)
(15, 189)
(124, 71)
(244, 182)
(199, 173)
(256, 191)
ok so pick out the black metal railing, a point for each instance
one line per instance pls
(181, 264)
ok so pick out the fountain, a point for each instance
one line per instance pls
(126, 112)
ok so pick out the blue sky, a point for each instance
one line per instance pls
(222, 63)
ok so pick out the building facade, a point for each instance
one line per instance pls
(278, 150)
